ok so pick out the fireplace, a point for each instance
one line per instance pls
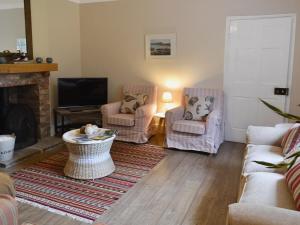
(25, 107)
(17, 115)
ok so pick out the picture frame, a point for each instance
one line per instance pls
(160, 46)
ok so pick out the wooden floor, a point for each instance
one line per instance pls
(186, 188)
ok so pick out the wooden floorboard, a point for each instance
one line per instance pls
(186, 188)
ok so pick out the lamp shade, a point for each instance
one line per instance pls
(167, 97)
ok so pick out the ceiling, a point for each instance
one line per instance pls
(90, 1)
(11, 4)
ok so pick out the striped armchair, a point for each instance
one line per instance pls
(8, 205)
(132, 127)
(195, 135)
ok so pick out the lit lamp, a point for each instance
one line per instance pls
(167, 97)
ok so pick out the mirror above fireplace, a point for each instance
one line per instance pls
(15, 26)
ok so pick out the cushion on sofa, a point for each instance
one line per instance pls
(293, 180)
(266, 135)
(268, 189)
(291, 139)
(290, 127)
(255, 214)
(189, 126)
(121, 120)
(267, 153)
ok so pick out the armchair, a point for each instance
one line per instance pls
(196, 135)
(132, 127)
(8, 205)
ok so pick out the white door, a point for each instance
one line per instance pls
(258, 59)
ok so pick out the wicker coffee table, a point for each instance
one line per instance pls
(88, 160)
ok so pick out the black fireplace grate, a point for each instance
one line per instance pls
(20, 120)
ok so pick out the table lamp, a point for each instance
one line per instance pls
(167, 97)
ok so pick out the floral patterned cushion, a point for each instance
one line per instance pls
(197, 108)
(132, 102)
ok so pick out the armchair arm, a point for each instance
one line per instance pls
(145, 111)
(174, 115)
(111, 108)
(8, 210)
(265, 135)
(214, 119)
(7, 185)
(143, 117)
(252, 214)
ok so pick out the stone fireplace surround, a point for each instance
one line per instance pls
(33, 89)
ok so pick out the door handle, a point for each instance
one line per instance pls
(281, 91)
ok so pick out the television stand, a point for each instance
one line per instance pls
(66, 119)
(80, 108)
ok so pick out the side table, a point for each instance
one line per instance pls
(161, 124)
(63, 114)
(88, 160)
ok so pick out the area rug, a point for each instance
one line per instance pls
(44, 185)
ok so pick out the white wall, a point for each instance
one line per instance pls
(112, 40)
(56, 33)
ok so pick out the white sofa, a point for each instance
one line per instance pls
(264, 197)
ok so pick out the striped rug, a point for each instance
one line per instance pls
(44, 184)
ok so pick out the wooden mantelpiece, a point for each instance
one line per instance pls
(27, 68)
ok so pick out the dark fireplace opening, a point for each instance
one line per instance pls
(17, 117)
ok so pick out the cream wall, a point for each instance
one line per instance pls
(112, 40)
(56, 33)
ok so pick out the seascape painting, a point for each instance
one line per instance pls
(160, 46)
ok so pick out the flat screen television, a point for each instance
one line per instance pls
(82, 92)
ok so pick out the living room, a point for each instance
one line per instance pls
(161, 160)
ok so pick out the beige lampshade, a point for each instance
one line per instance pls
(167, 97)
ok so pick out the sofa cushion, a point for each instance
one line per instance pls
(290, 126)
(265, 153)
(188, 126)
(291, 139)
(267, 189)
(266, 135)
(121, 120)
(293, 180)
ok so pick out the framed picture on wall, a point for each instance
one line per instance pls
(160, 46)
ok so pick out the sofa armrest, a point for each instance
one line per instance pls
(7, 185)
(111, 108)
(266, 135)
(8, 210)
(145, 111)
(252, 214)
(174, 115)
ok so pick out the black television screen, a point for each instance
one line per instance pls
(75, 92)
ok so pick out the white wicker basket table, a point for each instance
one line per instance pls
(88, 160)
